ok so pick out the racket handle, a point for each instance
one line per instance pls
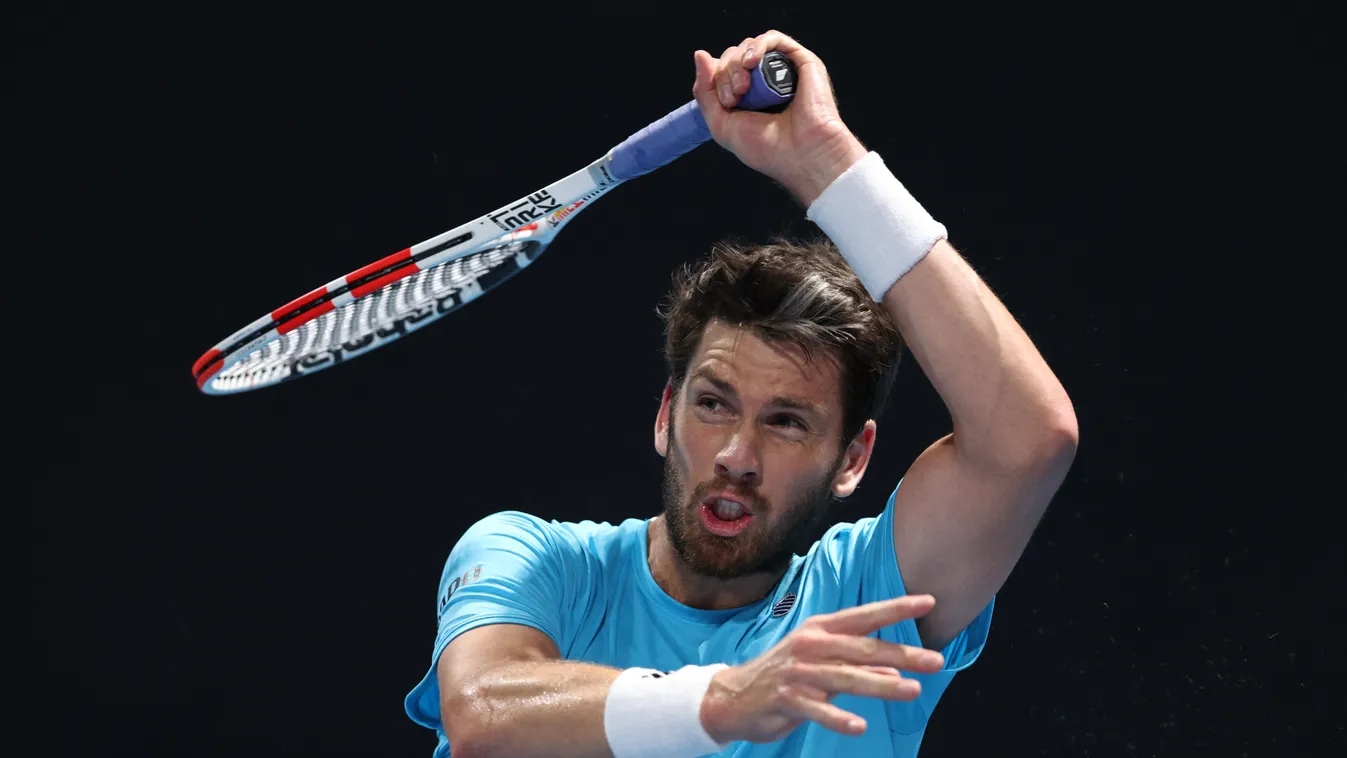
(771, 87)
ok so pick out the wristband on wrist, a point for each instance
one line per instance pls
(878, 227)
(657, 714)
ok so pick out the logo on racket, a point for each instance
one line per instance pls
(561, 215)
(526, 211)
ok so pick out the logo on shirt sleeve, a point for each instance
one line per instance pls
(469, 576)
(784, 605)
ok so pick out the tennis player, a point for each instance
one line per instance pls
(727, 624)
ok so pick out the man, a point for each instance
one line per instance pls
(716, 627)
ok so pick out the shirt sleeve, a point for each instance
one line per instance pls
(867, 570)
(508, 568)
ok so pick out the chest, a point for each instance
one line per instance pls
(634, 632)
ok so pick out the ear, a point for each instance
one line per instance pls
(662, 420)
(855, 459)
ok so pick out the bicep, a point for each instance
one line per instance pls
(477, 651)
(959, 528)
(510, 568)
(502, 598)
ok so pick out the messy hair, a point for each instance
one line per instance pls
(801, 293)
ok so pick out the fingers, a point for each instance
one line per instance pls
(734, 69)
(814, 684)
(855, 680)
(871, 617)
(731, 73)
(756, 47)
(706, 72)
(772, 40)
(731, 76)
(704, 88)
(867, 651)
(812, 75)
(827, 715)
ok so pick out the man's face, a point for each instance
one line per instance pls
(754, 423)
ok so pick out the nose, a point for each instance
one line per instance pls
(738, 461)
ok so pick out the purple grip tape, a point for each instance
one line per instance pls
(772, 86)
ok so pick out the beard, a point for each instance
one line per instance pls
(766, 546)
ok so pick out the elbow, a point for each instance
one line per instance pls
(1047, 445)
(1056, 433)
(467, 747)
(1063, 434)
(465, 715)
(1055, 450)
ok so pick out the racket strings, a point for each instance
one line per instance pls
(390, 312)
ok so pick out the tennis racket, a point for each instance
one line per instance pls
(390, 298)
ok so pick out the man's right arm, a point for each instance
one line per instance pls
(505, 691)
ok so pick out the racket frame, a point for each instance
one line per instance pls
(532, 220)
(535, 218)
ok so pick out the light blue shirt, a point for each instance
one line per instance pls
(588, 587)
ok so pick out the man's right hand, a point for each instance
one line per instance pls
(765, 699)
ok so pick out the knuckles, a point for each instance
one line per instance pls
(784, 693)
(806, 639)
(795, 669)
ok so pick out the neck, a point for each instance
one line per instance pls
(693, 590)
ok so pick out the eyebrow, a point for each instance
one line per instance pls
(779, 401)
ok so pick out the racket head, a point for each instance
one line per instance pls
(404, 292)
(377, 304)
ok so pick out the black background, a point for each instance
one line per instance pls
(1149, 190)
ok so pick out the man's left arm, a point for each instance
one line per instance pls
(969, 504)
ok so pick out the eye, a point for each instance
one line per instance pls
(788, 421)
(710, 403)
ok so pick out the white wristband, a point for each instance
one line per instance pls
(654, 714)
(878, 227)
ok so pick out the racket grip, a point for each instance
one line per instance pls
(771, 87)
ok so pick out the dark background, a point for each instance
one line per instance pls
(1148, 189)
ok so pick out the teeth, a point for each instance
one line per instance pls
(727, 510)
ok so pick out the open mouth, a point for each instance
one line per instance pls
(724, 516)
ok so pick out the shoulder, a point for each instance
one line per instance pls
(858, 558)
(520, 526)
(520, 531)
(845, 542)
(516, 523)
(871, 536)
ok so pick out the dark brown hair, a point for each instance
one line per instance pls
(797, 292)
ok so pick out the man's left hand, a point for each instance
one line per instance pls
(805, 146)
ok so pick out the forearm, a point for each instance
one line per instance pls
(1006, 405)
(535, 708)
